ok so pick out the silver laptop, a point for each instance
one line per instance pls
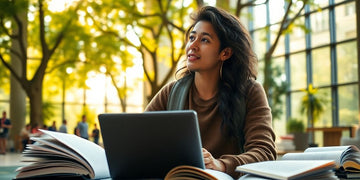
(147, 145)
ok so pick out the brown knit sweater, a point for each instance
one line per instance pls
(259, 136)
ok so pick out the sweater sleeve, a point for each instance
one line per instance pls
(159, 101)
(259, 135)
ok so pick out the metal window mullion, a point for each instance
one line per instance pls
(251, 22)
(268, 33)
(308, 52)
(288, 75)
(268, 44)
(334, 80)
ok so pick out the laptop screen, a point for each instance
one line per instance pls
(149, 144)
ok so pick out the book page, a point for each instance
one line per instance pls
(327, 148)
(40, 150)
(351, 159)
(347, 157)
(91, 152)
(42, 142)
(52, 147)
(218, 174)
(53, 170)
(195, 173)
(327, 155)
(351, 166)
(327, 175)
(288, 169)
(54, 163)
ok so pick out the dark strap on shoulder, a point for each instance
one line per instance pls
(179, 93)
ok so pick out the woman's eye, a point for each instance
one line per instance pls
(191, 38)
(205, 40)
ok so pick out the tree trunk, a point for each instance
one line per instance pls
(17, 93)
(35, 98)
(267, 74)
(123, 98)
(17, 106)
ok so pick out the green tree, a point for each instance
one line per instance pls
(159, 27)
(101, 50)
(49, 36)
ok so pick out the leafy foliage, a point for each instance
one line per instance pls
(312, 104)
(294, 125)
(278, 89)
(94, 34)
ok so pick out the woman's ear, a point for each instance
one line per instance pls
(226, 53)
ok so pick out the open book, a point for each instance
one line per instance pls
(60, 155)
(289, 169)
(347, 158)
(63, 155)
(195, 173)
(313, 163)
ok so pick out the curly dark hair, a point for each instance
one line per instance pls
(237, 70)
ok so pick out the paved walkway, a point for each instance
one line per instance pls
(8, 164)
(11, 159)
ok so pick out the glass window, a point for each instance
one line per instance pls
(279, 122)
(278, 64)
(260, 76)
(298, 71)
(347, 62)
(259, 38)
(319, 4)
(276, 11)
(278, 100)
(325, 119)
(259, 16)
(345, 24)
(321, 65)
(247, 18)
(320, 48)
(296, 6)
(320, 33)
(338, 1)
(348, 105)
(350, 9)
(324, 95)
(297, 36)
(280, 47)
(295, 106)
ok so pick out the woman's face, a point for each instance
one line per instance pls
(202, 49)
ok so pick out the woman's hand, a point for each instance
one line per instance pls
(211, 162)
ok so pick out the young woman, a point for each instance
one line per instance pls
(219, 84)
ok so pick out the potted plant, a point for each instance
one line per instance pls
(312, 105)
(296, 127)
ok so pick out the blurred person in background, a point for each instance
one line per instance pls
(5, 125)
